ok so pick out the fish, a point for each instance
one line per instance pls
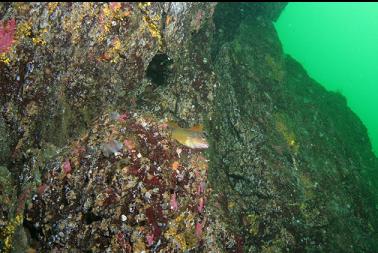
(193, 137)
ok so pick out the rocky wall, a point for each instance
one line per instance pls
(89, 163)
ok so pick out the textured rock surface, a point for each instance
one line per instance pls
(87, 162)
(291, 157)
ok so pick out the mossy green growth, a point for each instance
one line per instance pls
(6, 188)
(253, 224)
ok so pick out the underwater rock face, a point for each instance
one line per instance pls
(129, 200)
(91, 165)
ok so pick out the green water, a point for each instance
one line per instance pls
(337, 43)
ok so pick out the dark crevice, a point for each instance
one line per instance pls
(90, 217)
(159, 69)
(35, 233)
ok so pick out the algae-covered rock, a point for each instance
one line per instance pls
(127, 197)
(91, 94)
(6, 142)
(277, 171)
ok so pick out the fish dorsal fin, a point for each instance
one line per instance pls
(197, 128)
(172, 124)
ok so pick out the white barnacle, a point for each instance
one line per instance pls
(147, 195)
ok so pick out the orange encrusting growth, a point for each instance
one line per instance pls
(175, 165)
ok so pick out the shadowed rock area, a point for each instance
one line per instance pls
(91, 94)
